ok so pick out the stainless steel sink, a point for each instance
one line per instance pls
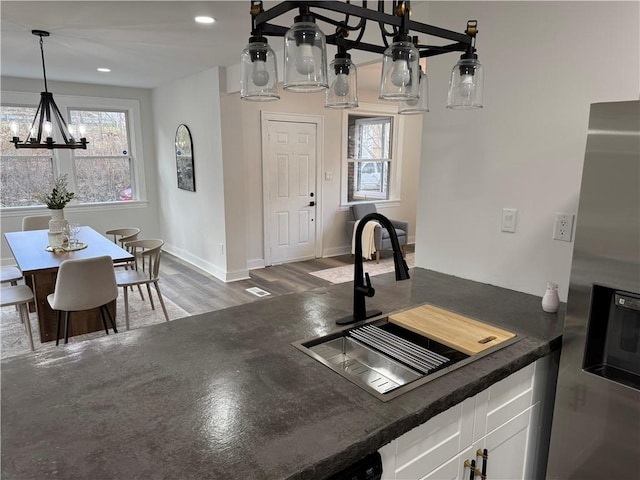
(385, 359)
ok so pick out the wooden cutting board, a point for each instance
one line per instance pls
(451, 329)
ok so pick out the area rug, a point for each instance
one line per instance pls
(13, 339)
(345, 274)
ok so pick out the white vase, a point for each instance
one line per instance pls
(58, 223)
(550, 300)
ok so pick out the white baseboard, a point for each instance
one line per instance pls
(206, 266)
(335, 251)
(255, 264)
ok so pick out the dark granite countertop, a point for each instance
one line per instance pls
(225, 395)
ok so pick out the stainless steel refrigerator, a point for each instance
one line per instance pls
(596, 420)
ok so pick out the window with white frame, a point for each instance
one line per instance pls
(106, 172)
(103, 172)
(26, 172)
(371, 165)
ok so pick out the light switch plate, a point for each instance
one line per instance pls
(509, 218)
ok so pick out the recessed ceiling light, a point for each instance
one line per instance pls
(205, 19)
(102, 69)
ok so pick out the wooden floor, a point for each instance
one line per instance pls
(198, 292)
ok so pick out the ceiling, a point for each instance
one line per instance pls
(144, 43)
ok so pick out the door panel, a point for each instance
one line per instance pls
(290, 163)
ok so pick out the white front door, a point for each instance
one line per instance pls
(290, 184)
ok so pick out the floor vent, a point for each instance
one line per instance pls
(258, 292)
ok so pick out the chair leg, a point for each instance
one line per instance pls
(24, 314)
(150, 297)
(58, 327)
(66, 327)
(404, 254)
(113, 324)
(104, 320)
(141, 295)
(377, 256)
(164, 309)
(126, 307)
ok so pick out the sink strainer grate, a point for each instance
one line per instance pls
(415, 356)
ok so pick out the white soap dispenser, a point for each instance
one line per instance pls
(550, 300)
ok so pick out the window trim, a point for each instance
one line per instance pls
(395, 181)
(63, 161)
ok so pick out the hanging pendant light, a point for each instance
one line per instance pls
(305, 57)
(48, 116)
(259, 76)
(342, 92)
(400, 70)
(420, 105)
(466, 84)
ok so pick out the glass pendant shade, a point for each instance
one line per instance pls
(400, 71)
(342, 92)
(305, 54)
(466, 84)
(259, 76)
(420, 105)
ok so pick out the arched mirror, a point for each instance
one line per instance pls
(184, 159)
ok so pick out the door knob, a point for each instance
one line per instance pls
(312, 204)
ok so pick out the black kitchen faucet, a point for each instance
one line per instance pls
(361, 282)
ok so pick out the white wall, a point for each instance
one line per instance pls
(545, 63)
(142, 214)
(192, 223)
(242, 130)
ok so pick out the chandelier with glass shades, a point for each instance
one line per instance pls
(47, 119)
(305, 55)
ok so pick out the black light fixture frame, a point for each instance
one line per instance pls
(399, 21)
(47, 109)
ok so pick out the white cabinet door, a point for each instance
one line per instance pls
(508, 447)
(504, 419)
(453, 469)
(424, 448)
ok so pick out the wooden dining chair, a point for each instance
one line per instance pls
(120, 237)
(35, 222)
(20, 296)
(147, 253)
(123, 235)
(84, 284)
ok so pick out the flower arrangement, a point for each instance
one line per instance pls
(59, 196)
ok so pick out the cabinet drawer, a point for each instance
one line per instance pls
(503, 401)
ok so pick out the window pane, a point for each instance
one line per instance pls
(103, 179)
(369, 154)
(22, 117)
(106, 132)
(369, 137)
(368, 181)
(23, 178)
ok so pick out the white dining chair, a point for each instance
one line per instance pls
(20, 296)
(35, 222)
(147, 253)
(84, 284)
(10, 275)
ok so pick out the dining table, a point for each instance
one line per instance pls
(39, 264)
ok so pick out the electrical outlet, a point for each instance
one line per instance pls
(563, 227)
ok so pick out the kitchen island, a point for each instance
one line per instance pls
(225, 395)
